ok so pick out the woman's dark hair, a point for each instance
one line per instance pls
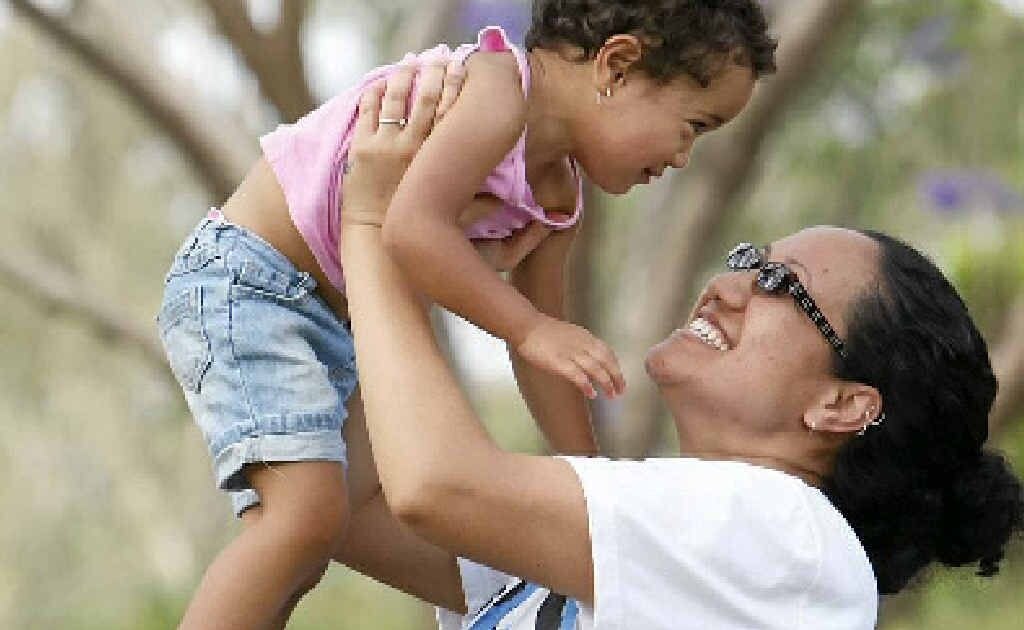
(681, 37)
(919, 487)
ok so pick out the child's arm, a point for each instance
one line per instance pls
(556, 405)
(423, 236)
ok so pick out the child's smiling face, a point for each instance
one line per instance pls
(646, 127)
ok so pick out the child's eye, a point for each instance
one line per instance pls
(700, 127)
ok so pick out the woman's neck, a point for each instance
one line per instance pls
(713, 433)
(809, 476)
(548, 138)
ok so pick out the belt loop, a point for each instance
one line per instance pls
(306, 281)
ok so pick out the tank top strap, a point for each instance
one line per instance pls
(577, 173)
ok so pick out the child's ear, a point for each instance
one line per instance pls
(617, 57)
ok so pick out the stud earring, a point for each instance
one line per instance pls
(607, 93)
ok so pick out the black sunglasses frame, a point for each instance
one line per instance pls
(776, 278)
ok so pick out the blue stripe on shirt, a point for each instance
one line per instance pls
(496, 613)
(569, 614)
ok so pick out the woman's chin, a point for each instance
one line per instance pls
(662, 362)
(673, 359)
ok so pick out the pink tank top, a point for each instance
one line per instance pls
(307, 157)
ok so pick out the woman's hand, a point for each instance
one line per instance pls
(380, 154)
(381, 150)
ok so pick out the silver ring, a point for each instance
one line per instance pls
(401, 122)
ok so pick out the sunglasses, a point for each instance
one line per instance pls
(776, 278)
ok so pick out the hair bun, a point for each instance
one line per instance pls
(983, 508)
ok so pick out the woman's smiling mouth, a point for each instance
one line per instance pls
(708, 333)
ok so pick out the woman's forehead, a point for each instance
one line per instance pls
(833, 263)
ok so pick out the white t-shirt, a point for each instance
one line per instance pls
(687, 543)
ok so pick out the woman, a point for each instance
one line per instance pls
(831, 396)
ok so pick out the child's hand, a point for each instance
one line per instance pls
(573, 353)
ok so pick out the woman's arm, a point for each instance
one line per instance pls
(378, 545)
(440, 472)
(556, 405)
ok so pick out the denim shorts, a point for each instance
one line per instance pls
(265, 364)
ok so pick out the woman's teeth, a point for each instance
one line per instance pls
(708, 333)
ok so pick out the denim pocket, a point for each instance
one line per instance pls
(256, 280)
(196, 253)
(184, 338)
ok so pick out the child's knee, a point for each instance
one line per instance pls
(305, 505)
(313, 535)
(320, 525)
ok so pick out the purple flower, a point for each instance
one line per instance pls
(512, 15)
(946, 194)
(952, 191)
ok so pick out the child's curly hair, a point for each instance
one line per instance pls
(680, 37)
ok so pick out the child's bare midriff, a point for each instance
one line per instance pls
(259, 205)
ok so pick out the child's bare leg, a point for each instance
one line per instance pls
(362, 484)
(249, 518)
(282, 551)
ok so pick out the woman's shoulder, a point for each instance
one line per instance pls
(702, 499)
(689, 494)
(680, 487)
(696, 532)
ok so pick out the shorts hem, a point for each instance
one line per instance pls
(294, 447)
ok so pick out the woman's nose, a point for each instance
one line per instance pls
(732, 289)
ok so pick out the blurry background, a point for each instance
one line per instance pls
(121, 122)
